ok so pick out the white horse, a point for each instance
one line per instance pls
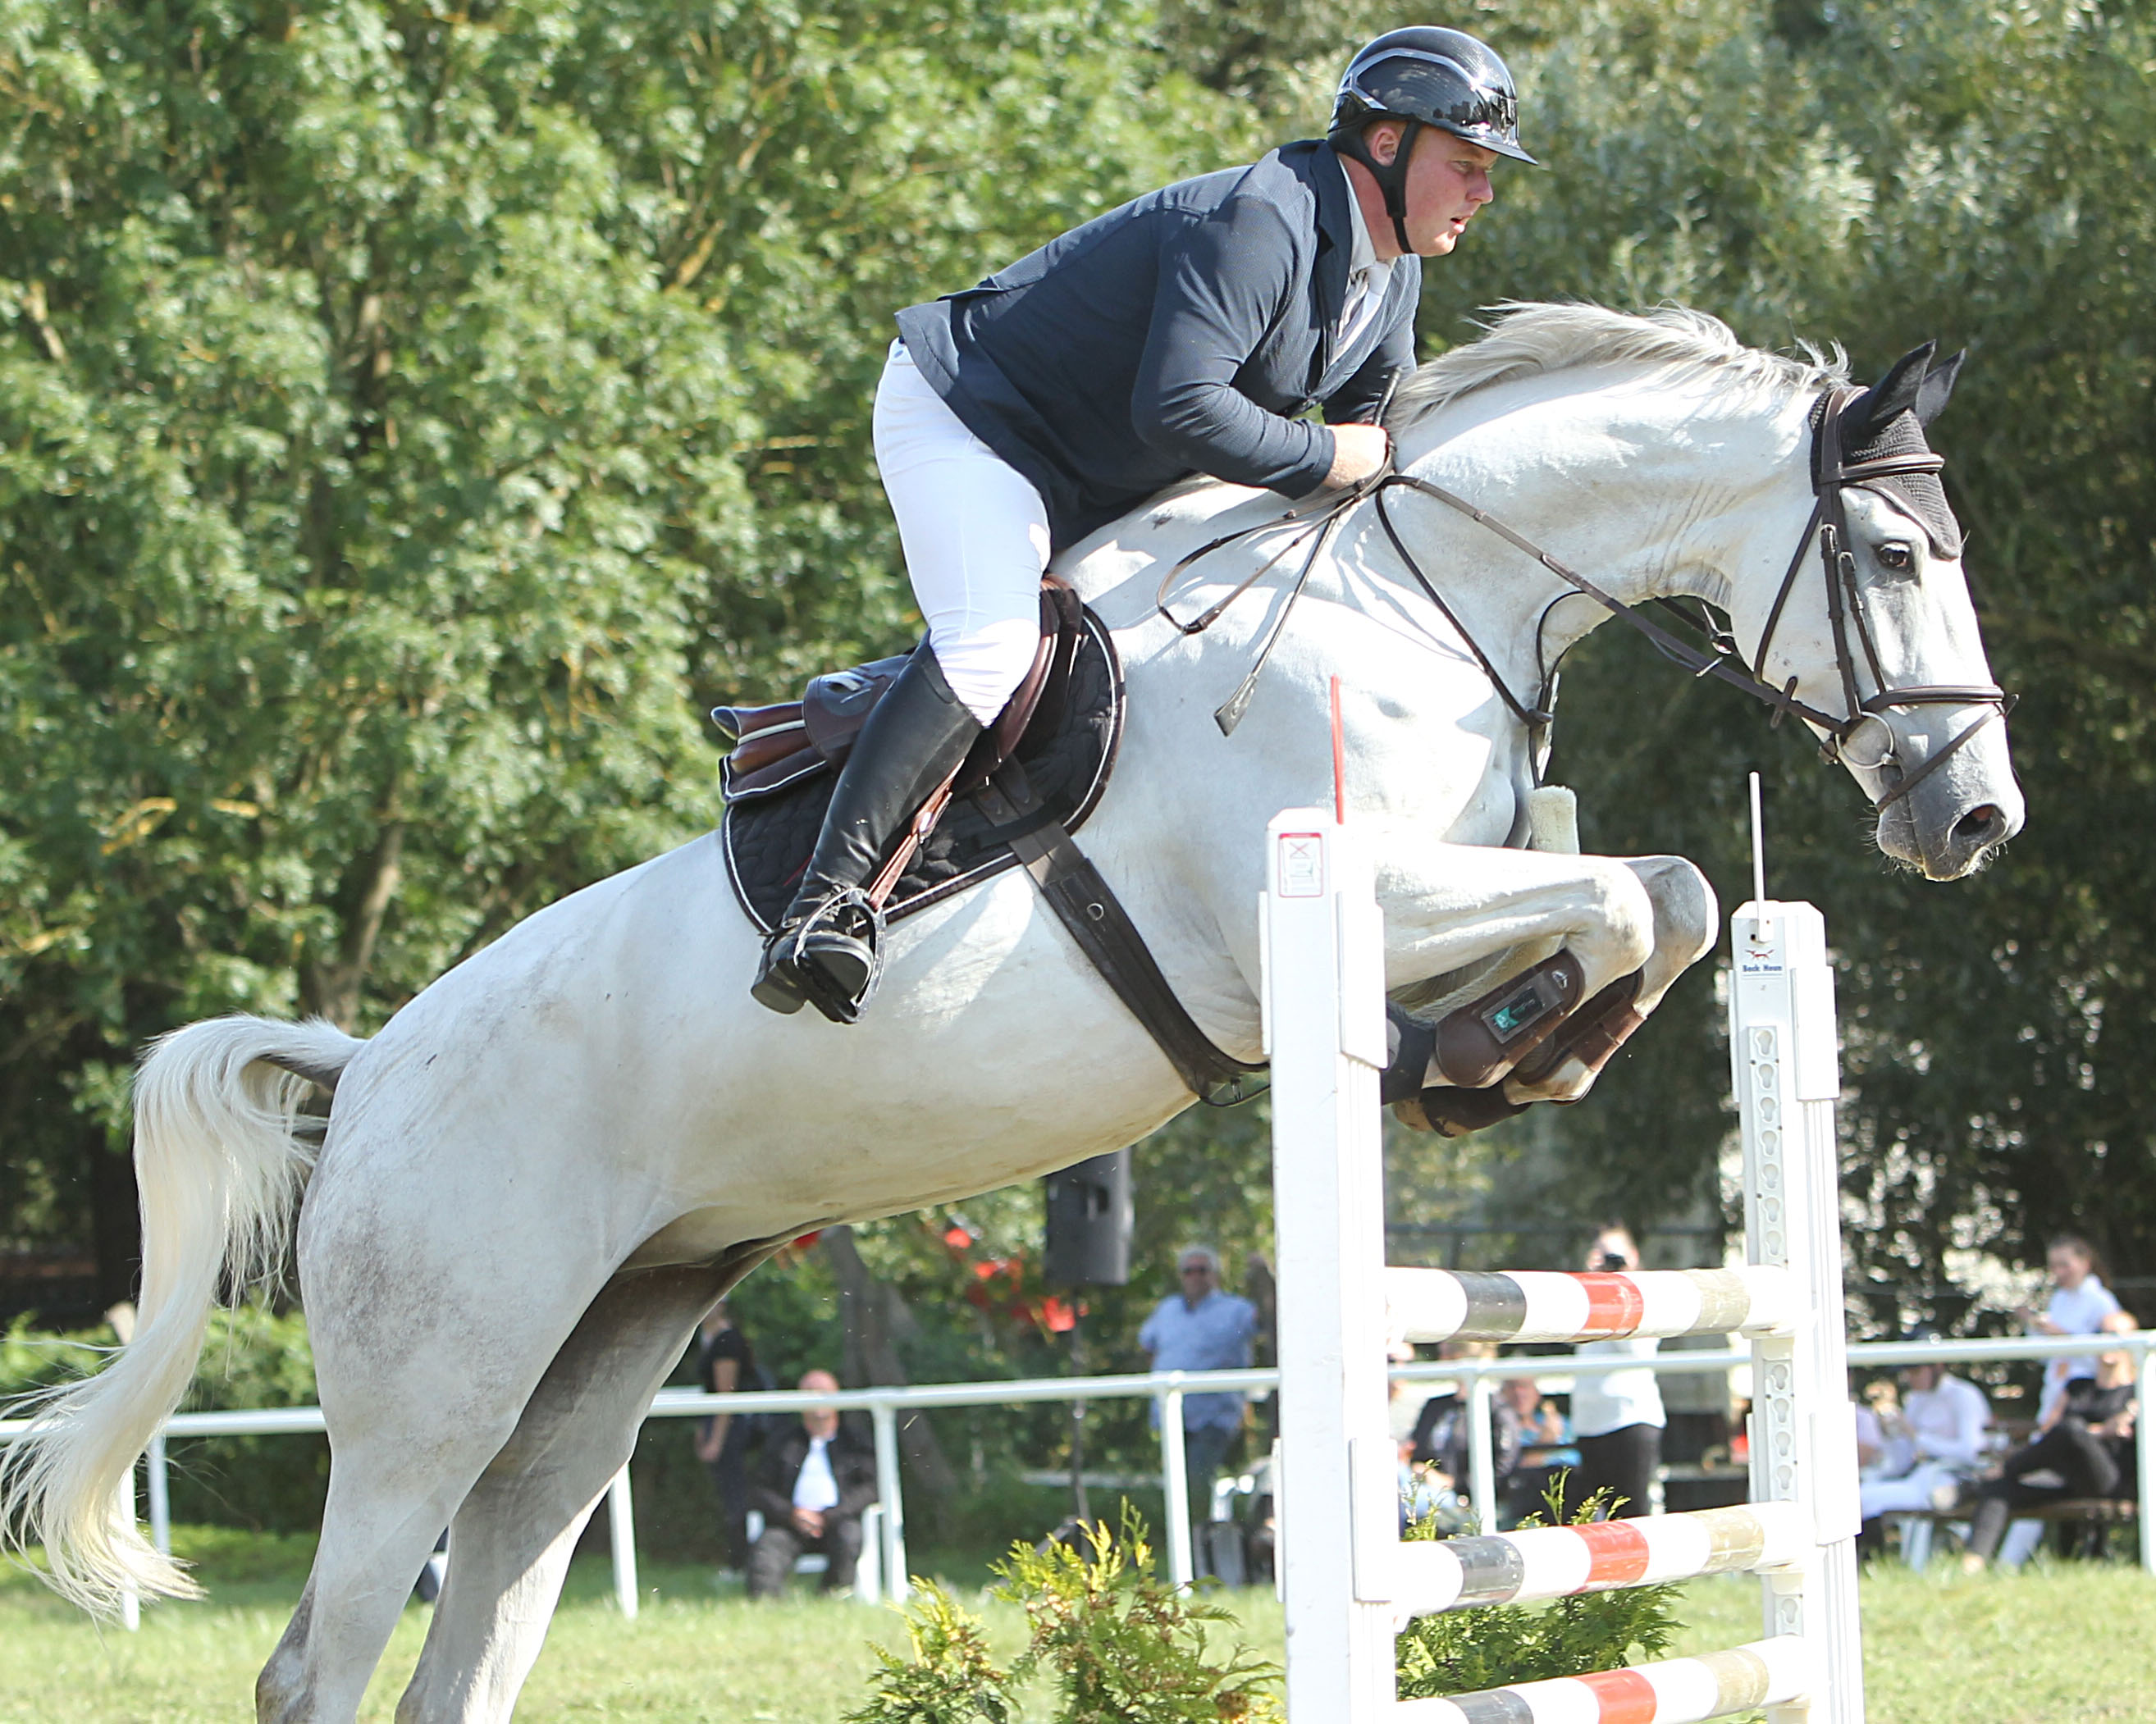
(540, 1174)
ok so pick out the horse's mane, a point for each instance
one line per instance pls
(1531, 338)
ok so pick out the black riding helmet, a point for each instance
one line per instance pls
(1425, 76)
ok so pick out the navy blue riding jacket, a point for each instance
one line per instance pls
(1187, 331)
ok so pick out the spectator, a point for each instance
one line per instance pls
(1541, 1426)
(811, 1490)
(726, 1362)
(1617, 1419)
(1202, 1329)
(2087, 1450)
(1927, 1446)
(1545, 1445)
(2080, 1304)
(1443, 1435)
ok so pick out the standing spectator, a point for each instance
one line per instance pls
(811, 1490)
(1202, 1329)
(1617, 1419)
(726, 1362)
(2087, 1450)
(2080, 1304)
(1929, 1445)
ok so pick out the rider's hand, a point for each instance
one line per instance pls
(1358, 452)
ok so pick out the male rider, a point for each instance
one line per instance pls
(1189, 330)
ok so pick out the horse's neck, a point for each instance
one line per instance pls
(1641, 490)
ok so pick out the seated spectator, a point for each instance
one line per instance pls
(2079, 1305)
(1927, 1446)
(1541, 1426)
(2087, 1450)
(811, 1490)
(1437, 1451)
(1545, 1448)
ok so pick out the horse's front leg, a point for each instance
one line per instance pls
(1488, 913)
(1684, 910)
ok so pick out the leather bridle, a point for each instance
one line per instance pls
(1846, 611)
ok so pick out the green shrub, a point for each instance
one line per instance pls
(1457, 1652)
(1123, 1646)
(950, 1679)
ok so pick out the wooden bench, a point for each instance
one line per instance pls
(2095, 1516)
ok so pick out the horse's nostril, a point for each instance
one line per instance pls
(1982, 825)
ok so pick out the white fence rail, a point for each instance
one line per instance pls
(1554, 1372)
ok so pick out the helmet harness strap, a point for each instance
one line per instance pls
(1392, 177)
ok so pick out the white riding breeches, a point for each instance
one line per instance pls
(1930, 1485)
(975, 535)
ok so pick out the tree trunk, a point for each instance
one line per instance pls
(332, 988)
(876, 1319)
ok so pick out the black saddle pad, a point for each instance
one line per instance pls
(767, 840)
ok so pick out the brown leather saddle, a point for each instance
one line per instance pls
(1032, 780)
(1063, 723)
(777, 746)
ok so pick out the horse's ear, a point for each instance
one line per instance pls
(1938, 385)
(1892, 395)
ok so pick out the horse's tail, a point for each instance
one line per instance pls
(221, 1165)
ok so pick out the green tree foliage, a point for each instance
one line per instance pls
(405, 417)
(1880, 174)
(408, 418)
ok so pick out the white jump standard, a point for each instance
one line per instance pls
(1348, 1580)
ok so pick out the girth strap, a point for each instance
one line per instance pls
(1105, 932)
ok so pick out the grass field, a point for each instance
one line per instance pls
(2051, 1644)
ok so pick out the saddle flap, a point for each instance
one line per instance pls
(835, 705)
(776, 746)
(1041, 698)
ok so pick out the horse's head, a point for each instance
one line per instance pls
(1872, 635)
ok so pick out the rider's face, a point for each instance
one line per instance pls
(1448, 181)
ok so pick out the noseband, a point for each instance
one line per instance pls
(1846, 608)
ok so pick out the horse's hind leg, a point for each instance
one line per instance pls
(394, 1483)
(422, 1381)
(510, 1543)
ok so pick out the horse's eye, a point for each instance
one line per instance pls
(1895, 555)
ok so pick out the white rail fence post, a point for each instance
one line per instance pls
(1349, 1579)
(161, 1497)
(897, 1584)
(1175, 1487)
(621, 1538)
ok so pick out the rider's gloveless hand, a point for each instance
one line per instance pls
(1358, 452)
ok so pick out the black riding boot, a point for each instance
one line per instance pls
(824, 950)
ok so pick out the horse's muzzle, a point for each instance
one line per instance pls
(1950, 832)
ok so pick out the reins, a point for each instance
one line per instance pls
(1829, 524)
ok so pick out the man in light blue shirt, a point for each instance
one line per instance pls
(1203, 1329)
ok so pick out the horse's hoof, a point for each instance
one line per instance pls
(1455, 1113)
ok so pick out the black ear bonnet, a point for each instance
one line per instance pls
(1889, 419)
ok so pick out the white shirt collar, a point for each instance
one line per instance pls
(1362, 255)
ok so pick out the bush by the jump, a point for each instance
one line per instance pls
(1457, 1652)
(1123, 1646)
